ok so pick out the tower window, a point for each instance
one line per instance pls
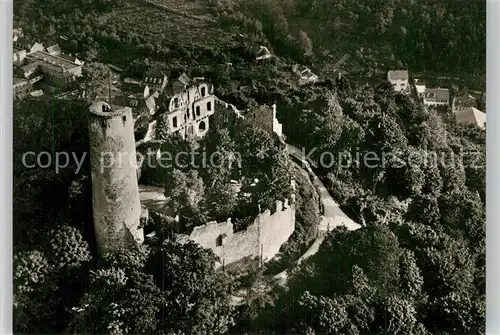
(203, 91)
(174, 121)
(197, 110)
(209, 105)
(124, 118)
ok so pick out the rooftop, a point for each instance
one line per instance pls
(437, 93)
(397, 75)
(56, 62)
(420, 89)
(37, 93)
(19, 81)
(30, 67)
(263, 53)
(134, 87)
(471, 115)
(69, 58)
(184, 79)
(54, 49)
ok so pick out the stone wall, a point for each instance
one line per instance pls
(262, 239)
(263, 116)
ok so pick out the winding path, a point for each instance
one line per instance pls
(332, 216)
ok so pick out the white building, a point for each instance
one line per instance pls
(434, 97)
(304, 74)
(18, 55)
(263, 53)
(421, 90)
(399, 80)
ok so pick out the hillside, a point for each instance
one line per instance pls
(430, 39)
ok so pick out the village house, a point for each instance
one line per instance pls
(471, 116)
(18, 55)
(181, 83)
(37, 93)
(156, 82)
(421, 91)
(21, 87)
(420, 88)
(57, 72)
(136, 89)
(140, 105)
(305, 75)
(399, 80)
(434, 97)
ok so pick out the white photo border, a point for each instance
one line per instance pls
(492, 163)
(492, 167)
(6, 174)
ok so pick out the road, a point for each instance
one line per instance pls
(332, 216)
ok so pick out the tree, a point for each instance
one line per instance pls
(221, 199)
(197, 298)
(304, 44)
(33, 287)
(401, 316)
(411, 280)
(93, 81)
(42, 277)
(263, 159)
(327, 315)
(67, 248)
(463, 211)
(122, 299)
(186, 194)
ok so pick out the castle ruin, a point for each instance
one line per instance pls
(115, 191)
(261, 240)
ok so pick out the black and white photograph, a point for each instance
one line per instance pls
(249, 167)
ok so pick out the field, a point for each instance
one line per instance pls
(167, 22)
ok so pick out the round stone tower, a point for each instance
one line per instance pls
(115, 192)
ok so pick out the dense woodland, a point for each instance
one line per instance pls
(439, 38)
(416, 266)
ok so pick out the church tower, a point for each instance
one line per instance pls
(115, 192)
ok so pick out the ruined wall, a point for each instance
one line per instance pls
(262, 117)
(115, 192)
(188, 112)
(263, 238)
(276, 229)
